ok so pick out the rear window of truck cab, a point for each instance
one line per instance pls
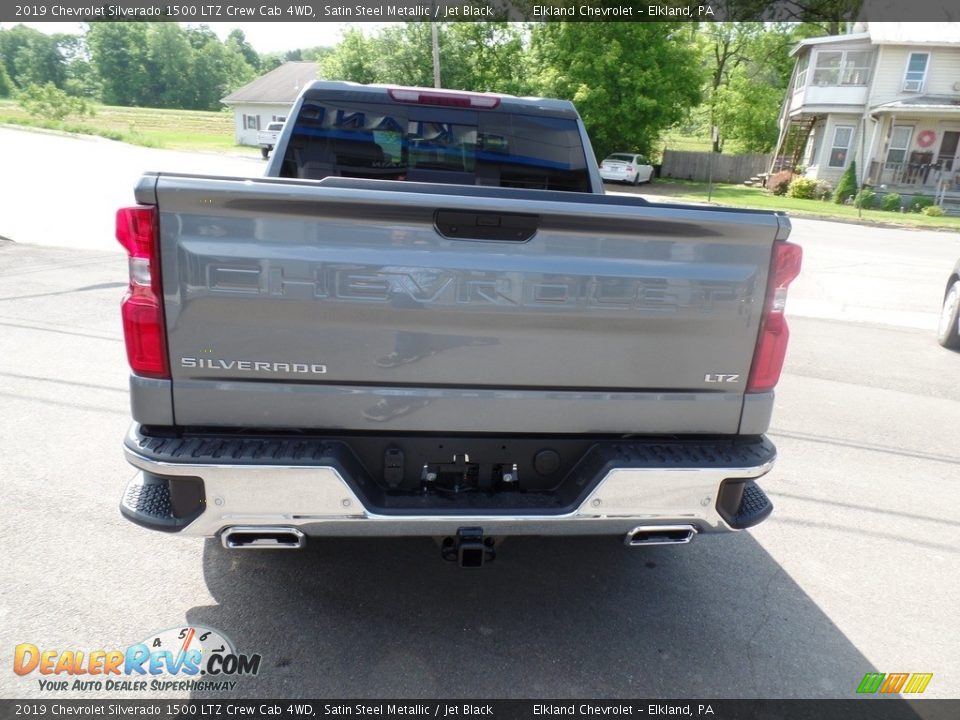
(420, 143)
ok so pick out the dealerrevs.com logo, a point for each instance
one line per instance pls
(182, 658)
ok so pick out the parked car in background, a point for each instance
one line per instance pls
(949, 330)
(627, 168)
(267, 139)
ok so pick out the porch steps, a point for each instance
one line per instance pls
(951, 207)
(950, 203)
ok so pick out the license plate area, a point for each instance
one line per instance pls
(461, 475)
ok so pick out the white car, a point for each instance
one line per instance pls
(626, 167)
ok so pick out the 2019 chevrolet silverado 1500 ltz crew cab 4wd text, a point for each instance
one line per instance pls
(428, 319)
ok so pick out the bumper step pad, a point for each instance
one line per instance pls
(152, 500)
(162, 503)
(754, 508)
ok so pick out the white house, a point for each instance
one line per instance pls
(268, 98)
(886, 95)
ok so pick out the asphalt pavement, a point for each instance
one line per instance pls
(856, 571)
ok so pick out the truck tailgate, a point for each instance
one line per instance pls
(339, 305)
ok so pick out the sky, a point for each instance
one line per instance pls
(264, 36)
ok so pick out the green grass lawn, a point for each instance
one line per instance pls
(747, 197)
(172, 129)
(675, 140)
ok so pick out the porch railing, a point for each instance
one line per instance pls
(782, 162)
(910, 173)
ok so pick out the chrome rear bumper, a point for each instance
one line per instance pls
(317, 500)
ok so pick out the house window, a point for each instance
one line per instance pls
(842, 68)
(856, 68)
(842, 135)
(899, 144)
(827, 70)
(251, 122)
(916, 73)
(802, 65)
(279, 118)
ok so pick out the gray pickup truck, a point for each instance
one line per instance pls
(428, 319)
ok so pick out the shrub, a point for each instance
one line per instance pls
(933, 211)
(802, 188)
(866, 198)
(891, 202)
(823, 190)
(779, 183)
(920, 202)
(51, 103)
(847, 187)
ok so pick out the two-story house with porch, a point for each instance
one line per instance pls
(886, 95)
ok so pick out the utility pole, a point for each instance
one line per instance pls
(714, 137)
(436, 54)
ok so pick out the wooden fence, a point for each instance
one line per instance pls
(684, 165)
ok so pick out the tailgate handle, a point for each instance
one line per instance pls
(466, 225)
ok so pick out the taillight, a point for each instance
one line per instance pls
(449, 99)
(774, 334)
(629, 168)
(142, 306)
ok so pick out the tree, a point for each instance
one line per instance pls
(118, 52)
(81, 79)
(725, 48)
(747, 110)
(828, 17)
(403, 55)
(483, 57)
(316, 54)
(200, 36)
(218, 69)
(748, 66)
(10, 41)
(6, 84)
(270, 61)
(160, 64)
(352, 59)
(31, 57)
(629, 81)
(238, 41)
(169, 66)
(399, 55)
(847, 186)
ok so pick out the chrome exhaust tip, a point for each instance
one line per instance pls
(660, 535)
(262, 538)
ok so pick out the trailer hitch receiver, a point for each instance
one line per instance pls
(469, 548)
